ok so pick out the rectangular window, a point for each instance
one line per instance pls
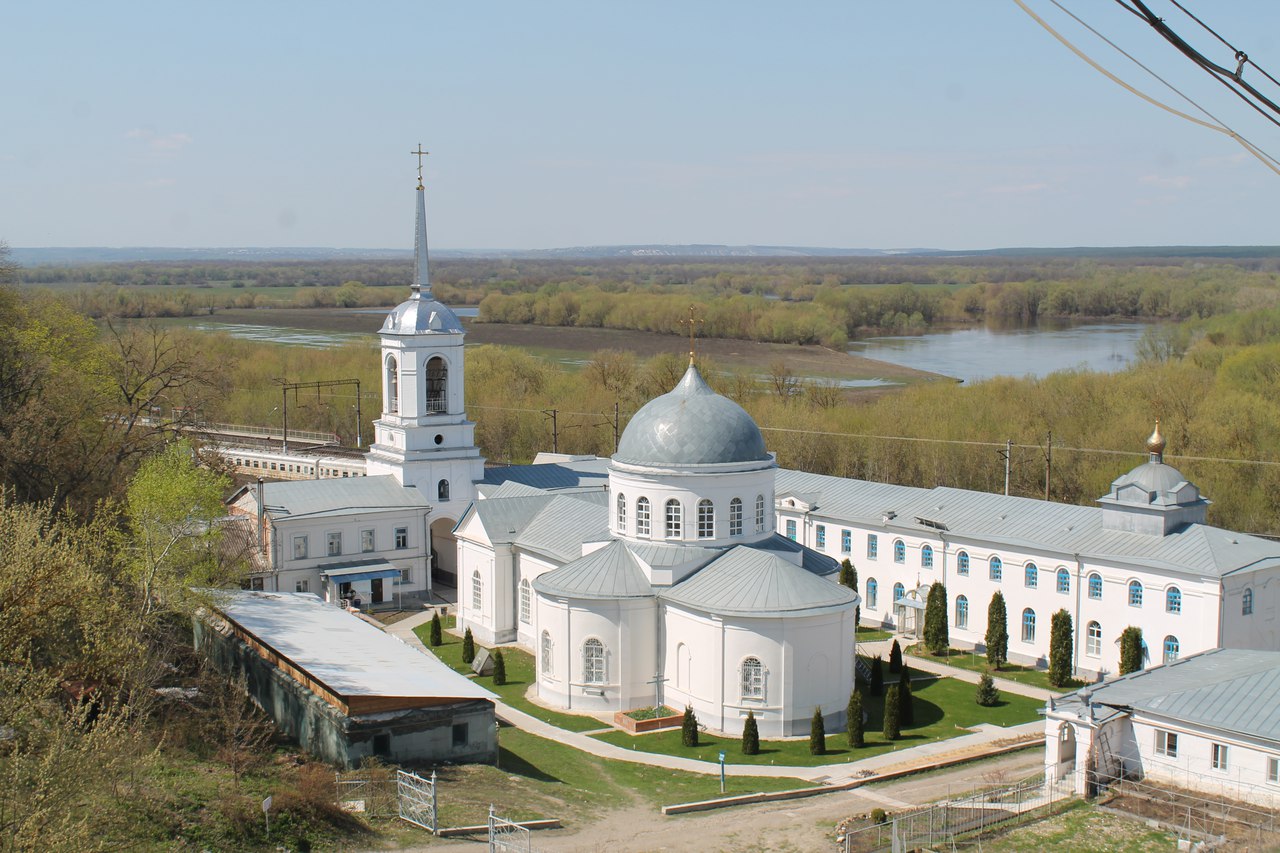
(404, 576)
(1219, 757)
(873, 545)
(335, 544)
(299, 547)
(1273, 771)
(301, 586)
(822, 536)
(255, 584)
(402, 538)
(460, 734)
(791, 529)
(366, 541)
(1166, 744)
(846, 541)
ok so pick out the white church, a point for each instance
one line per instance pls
(688, 569)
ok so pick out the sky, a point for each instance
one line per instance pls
(955, 124)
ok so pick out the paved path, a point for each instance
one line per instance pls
(973, 745)
(881, 647)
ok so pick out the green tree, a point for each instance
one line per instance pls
(849, 578)
(499, 668)
(436, 637)
(937, 633)
(877, 676)
(1060, 648)
(906, 701)
(997, 632)
(468, 647)
(891, 710)
(987, 695)
(689, 727)
(1130, 650)
(895, 658)
(853, 721)
(750, 735)
(817, 733)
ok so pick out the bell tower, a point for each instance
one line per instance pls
(423, 437)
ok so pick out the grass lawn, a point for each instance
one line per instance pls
(1083, 829)
(520, 675)
(945, 708)
(870, 635)
(977, 662)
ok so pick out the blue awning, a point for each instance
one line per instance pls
(350, 574)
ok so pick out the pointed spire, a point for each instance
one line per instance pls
(421, 285)
(1155, 444)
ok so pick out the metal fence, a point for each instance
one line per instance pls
(945, 823)
(370, 791)
(508, 837)
(416, 799)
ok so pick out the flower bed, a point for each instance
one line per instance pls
(641, 720)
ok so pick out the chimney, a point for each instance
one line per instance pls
(262, 512)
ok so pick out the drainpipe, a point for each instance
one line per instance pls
(1075, 647)
(262, 511)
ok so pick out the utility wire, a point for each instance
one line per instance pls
(1240, 54)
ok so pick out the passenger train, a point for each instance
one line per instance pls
(278, 465)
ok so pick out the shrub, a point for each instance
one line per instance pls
(1060, 649)
(437, 632)
(879, 816)
(906, 702)
(1130, 650)
(988, 696)
(895, 658)
(891, 705)
(877, 676)
(997, 632)
(937, 632)
(817, 733)
(689, 727)
(853, 722)
(499, 668)
(750, 735)
(468, 647)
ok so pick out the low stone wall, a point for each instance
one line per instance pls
(637, 727)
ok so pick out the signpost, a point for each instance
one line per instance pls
(722, 772)
(266, 809)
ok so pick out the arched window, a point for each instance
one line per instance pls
(735, 517)
(642, 517)
(477, 590)
(872, 587)
(898, 591)
(1028, 626)
(442, 490)
(1031, 575)
(437, 373)
(926, 557)
(752, 679)
(706, 520)
(675, 519)
(393, 385)
(899, 551)
(962, 563)
(1095, 586)
(1064, 580)
(1093, 640)
(593, 662)
(1171, 647)
(1173, 600)
(546, 653)
(995, 568)
(962, 611)
(1135, 593)
(524, 600)
(622, 513)
(759, 513)
(1246, 603)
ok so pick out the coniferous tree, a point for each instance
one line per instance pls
(1060, 649)
(906, 702)
(468, 647)
(437, 631)
(689, 727)
(895, 658)
(848, 576)
(1130, 650)
(997, 632)
(877, 676)
(937, 632)
(891, 703)
(987, 695)
(499, 668)
(817, 733)
(853, 723)
(750, 735)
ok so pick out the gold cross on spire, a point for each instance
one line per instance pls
(420, 153)
(693, 323)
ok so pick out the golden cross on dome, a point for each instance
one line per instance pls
(420, 153)
(693, 323)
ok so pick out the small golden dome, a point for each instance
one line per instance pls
(1155, 441)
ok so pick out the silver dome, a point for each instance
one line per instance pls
(1154, 483)
(418, 316)
(691, 425)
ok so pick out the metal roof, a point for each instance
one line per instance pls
(342, 651)
(748, 581)
(338, 496)
(563, 523)
(611, 572)
(359, 570)
(504, 519)
(1234, 690)
(571, 474)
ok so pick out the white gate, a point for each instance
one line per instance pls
(508, 837)
(417, 799)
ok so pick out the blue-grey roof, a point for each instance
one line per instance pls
(419, 315)
(747, 581)
(611, 572)
(339, 496)
(1154, 483)
(664, 555)
(504, 519)
(691, 425)
(1233, 690)
(573, 474)
(810, 560)
(1031, 524)
(563, 523)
